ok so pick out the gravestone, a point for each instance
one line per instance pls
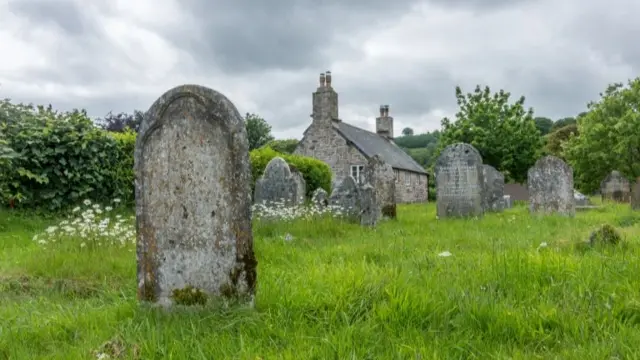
(635, 195)
(192, 191)
(615, 187)
(301, 185)
(493, 189)
(320, 198)
(369, 204)
(279, 185)
(506, 200)
(381, 177)
(550, 187)
(581, 199)
(459, 182)
(345, 198)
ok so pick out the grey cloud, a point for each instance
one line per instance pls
(255, 35)
(66, 14)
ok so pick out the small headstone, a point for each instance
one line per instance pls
(346, 198)
(380, 175)
(506, 201)
(493, 189)
(193, 208)
(279, 185)
(635, 195)
(459, 182)
(369, 205)
(320, 198)
(301, 185)
(581, 200)
(550, 187)
(615, 187)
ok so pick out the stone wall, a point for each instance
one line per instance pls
(324, 143)
(410, 187)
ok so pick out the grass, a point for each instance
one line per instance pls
(339, 291)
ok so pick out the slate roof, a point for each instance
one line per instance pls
(370, 144)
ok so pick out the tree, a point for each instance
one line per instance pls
(287, 146)
(407, 131)
(609, 137)
(121, 121)
(557, 139)
(505, 134)
(258, 131)
(544, 125)
(562, 123)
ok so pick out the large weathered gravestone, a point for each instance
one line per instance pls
(635, 195)
(493, 189)
(381, 177)
(193, 206)
(320, 198)
(279, 185)
(459, 182)
(345, 198)
(615, 187)
(550, 187)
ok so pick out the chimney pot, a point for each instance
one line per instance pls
(381, 110)
(322, 80)
(328, 77)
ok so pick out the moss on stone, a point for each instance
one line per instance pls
(189, 295)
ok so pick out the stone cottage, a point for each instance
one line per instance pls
(346, 148)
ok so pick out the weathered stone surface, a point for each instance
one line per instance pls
(381, 177)
(493, 189)
(320, 198)
(459, 181)
(301, 185)
(193, 208)
(279, 185)
(550, 187)
(369, 205)
(635, 195)
(346, 197)
(615, 187)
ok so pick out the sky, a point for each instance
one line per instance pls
(265, 56)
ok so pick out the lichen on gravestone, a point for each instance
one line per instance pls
(346, 198)
(381, 177)
(193, 204)
(493, 192)
(615, 187)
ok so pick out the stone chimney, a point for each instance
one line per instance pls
(384, 123)
(325, 102)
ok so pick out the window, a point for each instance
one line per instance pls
(397, 175)
(357, 173)
(407, 178)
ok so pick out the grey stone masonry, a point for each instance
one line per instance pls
(369, 205)
(192, 191)
(346, 198)
(279, 185)
(381, 177)
(550, 187)
(493, 189)
(327, 139)
(459, 182)
(615, 187)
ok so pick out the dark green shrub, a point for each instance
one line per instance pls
(316, 173)
(122, 173)
(62, 158)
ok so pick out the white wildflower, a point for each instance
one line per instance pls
(445, 254)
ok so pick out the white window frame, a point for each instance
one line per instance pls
(397, 174)
(359, 172)
(407, 178)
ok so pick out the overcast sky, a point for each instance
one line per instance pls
(266, 56)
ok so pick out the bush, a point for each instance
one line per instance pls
(62, 158)
(122, 173)
(316, 173)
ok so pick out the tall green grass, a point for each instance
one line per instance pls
(339, 291)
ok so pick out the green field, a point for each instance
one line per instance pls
(338, 291)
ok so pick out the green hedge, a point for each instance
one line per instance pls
(316, 173)
(61, 158)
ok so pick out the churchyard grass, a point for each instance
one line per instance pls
(508, 285)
